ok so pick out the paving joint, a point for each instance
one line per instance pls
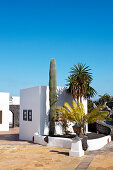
(84, 164)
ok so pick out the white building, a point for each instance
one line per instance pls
(34, 110)
(4, 111)
(6, 116)
(14, 100)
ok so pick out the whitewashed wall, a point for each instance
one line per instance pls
(37, 100)
(30, 100)
(14, 100)
(4, 106)
(10, 118)
(63, 97)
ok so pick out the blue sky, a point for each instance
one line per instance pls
(32, 32)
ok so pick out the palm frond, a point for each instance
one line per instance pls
(68, 107)
(77, 113)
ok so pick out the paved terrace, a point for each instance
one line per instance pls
(20, 155)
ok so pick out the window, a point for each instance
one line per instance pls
(29, 115)
(0, 117)
(24, 114)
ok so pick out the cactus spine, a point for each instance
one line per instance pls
(52, 95)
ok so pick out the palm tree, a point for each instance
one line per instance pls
(105, 98)
(76, 114)
(90, 92)
(79, 82)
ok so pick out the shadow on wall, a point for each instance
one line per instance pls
(44, 117)
(63, 96)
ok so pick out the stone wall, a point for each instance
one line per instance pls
(15, 109)
(101, 127)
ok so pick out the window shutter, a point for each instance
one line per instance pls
(0, 117)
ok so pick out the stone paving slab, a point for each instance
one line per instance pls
(103, 158)
(84, 164)
(23, 155)
(20, 155)
(98, 160)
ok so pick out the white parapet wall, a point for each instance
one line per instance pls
(93, 144)
(35, 101)
(59, 142)
(14, 100)
(40, 139)
(4, 111)
(96, 144)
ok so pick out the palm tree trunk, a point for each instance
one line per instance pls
(77, 100)
(80, 99)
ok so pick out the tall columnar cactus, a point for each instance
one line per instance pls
(52, 95)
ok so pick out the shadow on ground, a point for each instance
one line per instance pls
(63, 153)
(9, 137)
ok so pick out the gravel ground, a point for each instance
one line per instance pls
(94, 135)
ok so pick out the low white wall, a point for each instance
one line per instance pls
(4, 107)
(40, 139)
(60, 142)
(96, 144)
(93, 144)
